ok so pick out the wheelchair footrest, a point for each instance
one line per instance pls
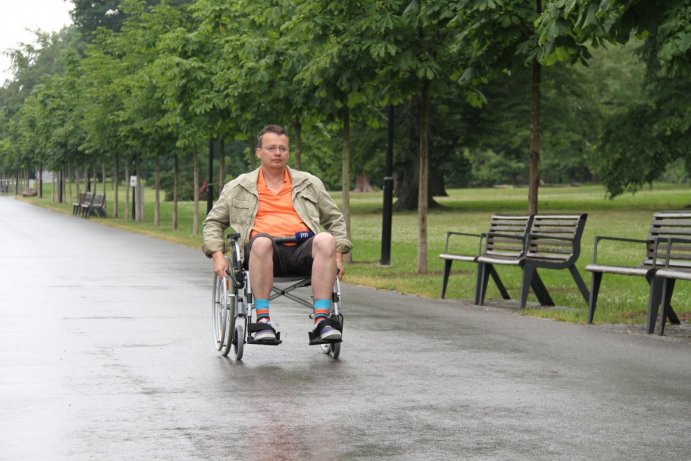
(255, 327)
(276, 342)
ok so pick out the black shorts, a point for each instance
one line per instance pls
(289, 260)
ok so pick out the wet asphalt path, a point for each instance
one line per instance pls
(106, 353)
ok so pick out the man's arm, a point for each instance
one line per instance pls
(215, 224)
(331, 218)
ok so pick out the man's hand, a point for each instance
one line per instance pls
(220, 263)
(339, 266)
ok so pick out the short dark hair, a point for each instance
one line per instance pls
(276, 129)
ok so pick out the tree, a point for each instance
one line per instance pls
(640, 141)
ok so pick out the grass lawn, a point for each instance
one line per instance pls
(622, 299)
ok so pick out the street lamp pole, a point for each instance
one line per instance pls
(388, 193)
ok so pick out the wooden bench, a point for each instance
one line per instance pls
(97, 206)
(552, 242)
(674, 263)
(86, 203)
(504, 238)
(77, 204)
(664, 226)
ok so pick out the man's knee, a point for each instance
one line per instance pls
(324, 245)
(262, 247)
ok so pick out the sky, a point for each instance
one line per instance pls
(18, 15)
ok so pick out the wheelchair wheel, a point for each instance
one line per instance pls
(335, 350)
(239, 340)
(223, 312)
(332, 349)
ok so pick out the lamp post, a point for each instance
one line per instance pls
(388, 193)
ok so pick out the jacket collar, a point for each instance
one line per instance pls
(249, 180)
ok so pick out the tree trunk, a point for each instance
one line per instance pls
(221, 167)
(103, 177)
(157, 186)
(139, 202)
(534, 165)
(345, 177)
(362, 183)
(437, 186)
(176, 173)
(253, 153)
(297, 128)
(116, 187)
(423, 180)
(127, 190)
(76, 177)
(195, 218)
(93, 174)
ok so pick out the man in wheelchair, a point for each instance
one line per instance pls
(277, 201)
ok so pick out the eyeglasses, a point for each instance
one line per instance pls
(273, 149)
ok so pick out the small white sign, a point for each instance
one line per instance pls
(133, 181)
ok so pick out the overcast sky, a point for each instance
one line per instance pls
(18, 15)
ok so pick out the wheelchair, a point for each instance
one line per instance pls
(234, 316)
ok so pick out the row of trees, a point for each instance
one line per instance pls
(152, 85)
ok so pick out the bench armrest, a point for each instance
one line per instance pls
(449, 234)
(669, 241)
(600, 238)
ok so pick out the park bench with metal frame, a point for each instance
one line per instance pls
(673, 262)
(77, 204)
(504, 239)
(96, 207)
(664, 226)
(86, 203)
(553, 242)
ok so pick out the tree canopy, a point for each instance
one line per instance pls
(157, 82)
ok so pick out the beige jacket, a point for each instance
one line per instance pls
(239, 201)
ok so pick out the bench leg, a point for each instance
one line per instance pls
(664, 307)
(498, 282)
(531, 279)
(594, 290)
(528, 272)
(481, 283)
(666, 311)
(445, 280)
(653, 303)
(579, 282)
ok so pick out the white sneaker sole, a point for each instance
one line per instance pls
(264, 336)
(330, 334)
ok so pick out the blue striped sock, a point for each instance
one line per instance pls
(322, 307)
(262, 308)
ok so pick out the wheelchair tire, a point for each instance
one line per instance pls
(223, 312)
(335, 350)
(239, 340)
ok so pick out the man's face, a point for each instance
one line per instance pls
(274, 151)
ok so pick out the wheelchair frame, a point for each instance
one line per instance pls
(233, 306)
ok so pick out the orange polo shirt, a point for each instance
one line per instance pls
(276, 215)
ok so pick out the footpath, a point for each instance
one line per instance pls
(106, 352)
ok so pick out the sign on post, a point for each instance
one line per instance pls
(133, 181)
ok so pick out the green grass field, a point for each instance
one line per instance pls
(622, 299)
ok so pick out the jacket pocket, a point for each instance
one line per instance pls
(240, 211)
(311, 205)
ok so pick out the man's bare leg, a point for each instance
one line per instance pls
(261, 279)
(323, 265)
(323, 275)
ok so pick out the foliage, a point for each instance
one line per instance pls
(159, 79)
(641, 138)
